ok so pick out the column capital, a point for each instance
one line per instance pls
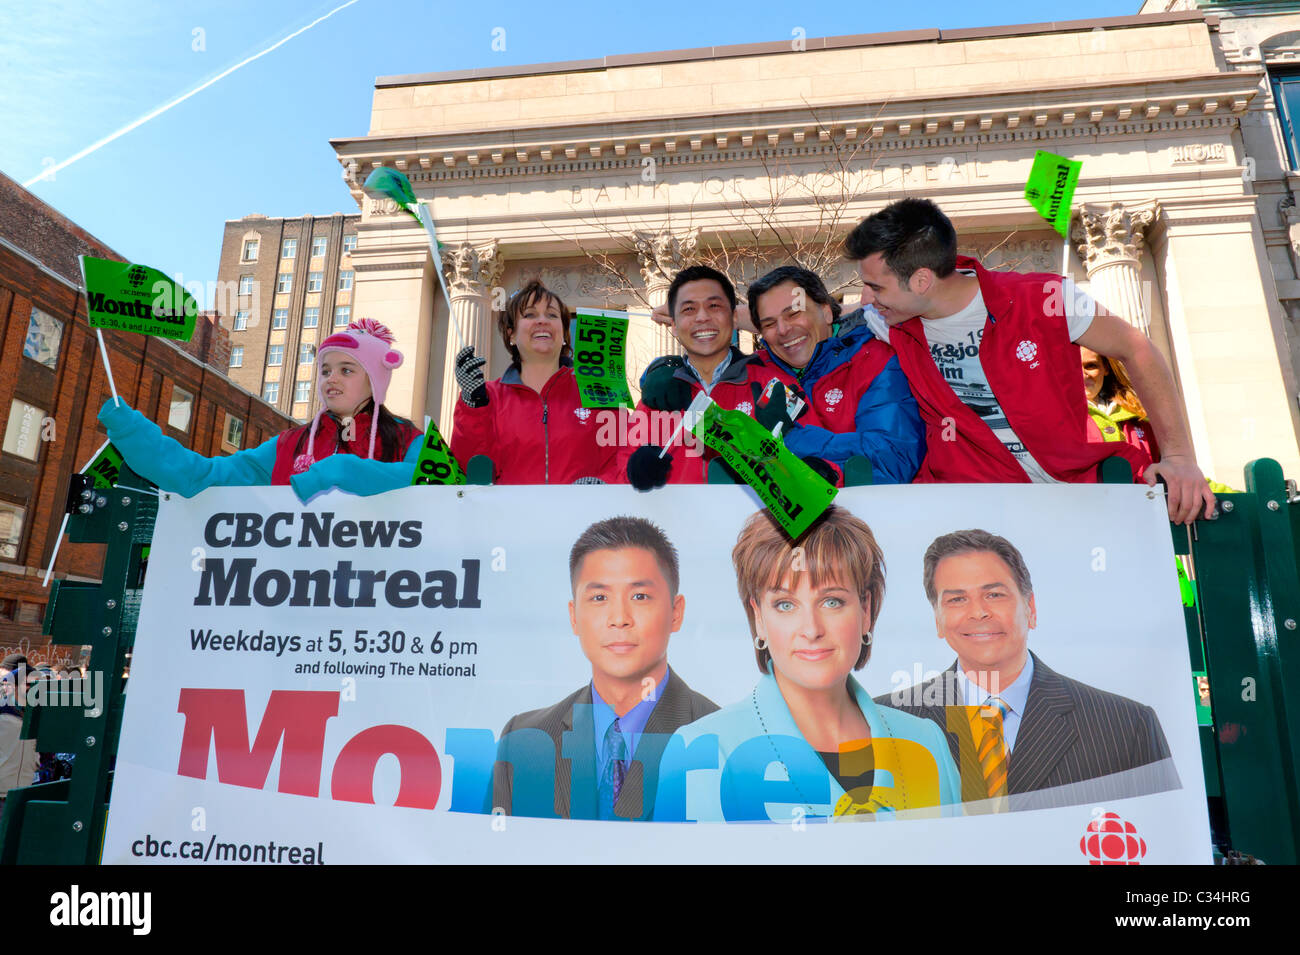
(473, 270)
(664, 253)
(1108, 233)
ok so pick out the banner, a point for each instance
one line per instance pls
(1050, 188)
(574, 674)
(599, 359)
(436, 464)
(136, 298)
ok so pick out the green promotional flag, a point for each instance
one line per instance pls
(385, 183)
(103, 467)
(136, 298)
(1050, 188)
(793, 492)
(599, 359)
(436, 464)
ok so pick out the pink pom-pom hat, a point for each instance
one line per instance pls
(370, 344)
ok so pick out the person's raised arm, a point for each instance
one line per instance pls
(1189, 495)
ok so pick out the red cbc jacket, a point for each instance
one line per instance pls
(1033, 369)
(733, 392)
(532, 438)
(290, 459)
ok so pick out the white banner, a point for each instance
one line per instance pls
(334, 683)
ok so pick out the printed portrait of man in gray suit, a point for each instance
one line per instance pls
(1016, 726)
(595, 754)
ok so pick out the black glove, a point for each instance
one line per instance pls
(824, 469)
(661, 391)
(469, 375)
(646, 470)
(774, 411)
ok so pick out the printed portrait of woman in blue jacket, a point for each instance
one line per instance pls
(811, 609)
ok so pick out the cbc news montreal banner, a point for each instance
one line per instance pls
(329, 683)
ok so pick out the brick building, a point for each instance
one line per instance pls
(283, 285)
(52, 384)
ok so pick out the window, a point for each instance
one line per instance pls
(279, 318)
(349, 243)
(1286, 93)
(289, 249)
(301, 391)
(318, 246)
(315, 281)
(44, 332)
(271, 393)
(232, 438)
(237, 357)
(23, 432)
(250, 250)
(311, 316)
(245, 285)
(11, 529)
(182, 405)
(241, 320)
(342, 315)
(345, 280)
(275, 355)
(306, 354)
(284, 282)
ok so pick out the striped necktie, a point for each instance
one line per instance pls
(611, 781)
(992, 747)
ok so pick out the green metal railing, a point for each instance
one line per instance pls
(1243, 632)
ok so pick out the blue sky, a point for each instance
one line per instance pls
(257, 140)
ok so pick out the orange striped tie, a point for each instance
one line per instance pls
(992, 747)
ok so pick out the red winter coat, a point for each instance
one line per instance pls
(290, 460)
(532, 438)
(733, 392)
(1033, 369)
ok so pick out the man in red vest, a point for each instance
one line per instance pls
(993, 360)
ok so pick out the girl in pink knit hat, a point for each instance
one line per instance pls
(353, 443)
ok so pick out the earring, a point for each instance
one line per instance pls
(866, 639)
(760, 643)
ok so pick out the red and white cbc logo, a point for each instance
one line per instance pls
(1110, 840)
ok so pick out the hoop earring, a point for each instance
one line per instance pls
(866, 639)
(760, 643)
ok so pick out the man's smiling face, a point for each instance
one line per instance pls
(791, 323)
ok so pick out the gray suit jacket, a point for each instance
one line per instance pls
(1070, 732)
(678, 706)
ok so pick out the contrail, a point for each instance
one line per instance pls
(135, 124)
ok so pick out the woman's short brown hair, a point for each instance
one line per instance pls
(526, 296)
(838, 546)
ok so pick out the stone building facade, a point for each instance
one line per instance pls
(283, 284)
(605, 176)
(52, 385)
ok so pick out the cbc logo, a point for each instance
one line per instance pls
(1110, 840)
(1026, 350)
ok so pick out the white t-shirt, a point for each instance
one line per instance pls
(954, 344)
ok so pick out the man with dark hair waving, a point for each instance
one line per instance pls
(851, 376)
(993, 359)
(702, 303)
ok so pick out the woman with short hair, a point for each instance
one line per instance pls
(811, 610)
(530, 421)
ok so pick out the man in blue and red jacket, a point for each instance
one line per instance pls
(852, 377)
(993, 360)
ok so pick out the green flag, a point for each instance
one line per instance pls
(436, 464)
(793, 492)
(1050, 188)
(385, 183)
(136, 298)
(599, 359)
(103, 467)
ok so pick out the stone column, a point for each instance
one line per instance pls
(1109, 239)
(472, 273)
(662, 255)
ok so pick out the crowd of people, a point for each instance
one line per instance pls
(948, 372)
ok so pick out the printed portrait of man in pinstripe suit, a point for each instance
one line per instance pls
(1015, 725)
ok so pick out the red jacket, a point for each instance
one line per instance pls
(1033, 369)
(733, 392)
(532, 438)
(291, 460)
